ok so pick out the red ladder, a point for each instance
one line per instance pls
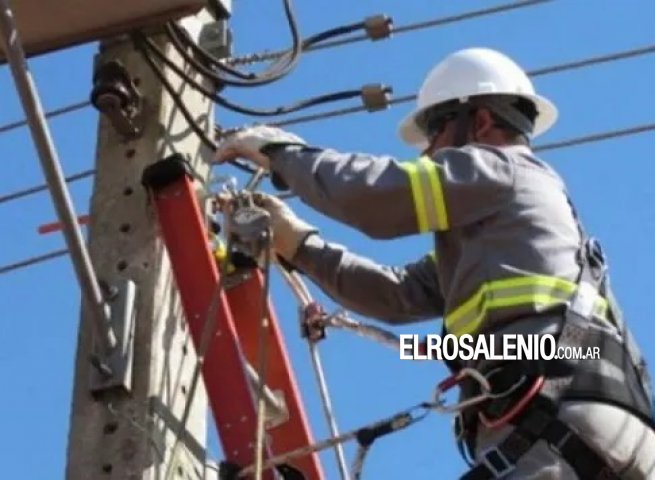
(182, 226)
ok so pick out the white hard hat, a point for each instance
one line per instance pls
(469, 73)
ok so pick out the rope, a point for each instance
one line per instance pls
(264, 327)
(366, 434)
(266, 56)
(205, 341)
(304, 298)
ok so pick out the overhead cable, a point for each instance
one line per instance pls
(594, 138)
(205, 138)
(557, 145)
(273, 55)
(549, 70)
(33, 261)
(276, 71)
(209, 93)
(437, 22)
(43, 187)
(51, 114)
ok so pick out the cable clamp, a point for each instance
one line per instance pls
(376, 96)
(378, 27)
(312, 322)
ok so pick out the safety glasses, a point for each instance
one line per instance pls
(433, 122)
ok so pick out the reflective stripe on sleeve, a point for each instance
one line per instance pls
(427, 194)
(539, 292)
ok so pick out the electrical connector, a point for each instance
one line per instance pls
(378, 27)
(376, 96)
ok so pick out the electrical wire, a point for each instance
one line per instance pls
(273, 55)
(51, 114)
(207, 92)
(276, 71)
(549, 70)
(33, 261)
(179, 103)
(557, 145)
(43, 187)
(159, 73)
(557, 68)
(437, 22)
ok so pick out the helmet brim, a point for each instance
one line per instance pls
(411, 134)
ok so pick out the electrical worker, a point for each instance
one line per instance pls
(512, 257)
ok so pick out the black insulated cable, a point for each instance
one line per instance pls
(276, 71)
(411, 27)
(179, 103)
(303, 104)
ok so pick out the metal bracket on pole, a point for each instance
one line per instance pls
(114, 370)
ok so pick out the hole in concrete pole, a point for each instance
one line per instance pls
(183, 389)
(180, 471)
(128, 191)
(129, 153)
(122, 265)
(110, 428)
(125, 227)
(107, 468)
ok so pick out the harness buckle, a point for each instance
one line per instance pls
(497, 463)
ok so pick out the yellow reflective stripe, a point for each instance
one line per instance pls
(427, 194)
(538, 291)
(417, 195)
(437, 192)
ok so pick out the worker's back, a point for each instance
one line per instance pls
(517, 255)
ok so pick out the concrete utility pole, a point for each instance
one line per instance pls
(128, 435)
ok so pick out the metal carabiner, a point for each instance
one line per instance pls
(517, 408)
(450, 382)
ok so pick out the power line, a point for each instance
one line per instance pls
(33, 261)
(597, 137)
(557, 145)
(51, 114)
(549, 70)
(266, 56)
(328, 44)
(41, 188)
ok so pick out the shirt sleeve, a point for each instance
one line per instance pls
(385, 198)
(394, 295)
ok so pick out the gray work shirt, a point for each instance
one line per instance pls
(505, 234)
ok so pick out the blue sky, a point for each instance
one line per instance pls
(611, 182)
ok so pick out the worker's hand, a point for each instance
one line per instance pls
(248, 144)
(289, 231)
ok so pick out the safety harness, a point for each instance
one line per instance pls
(559, 380)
